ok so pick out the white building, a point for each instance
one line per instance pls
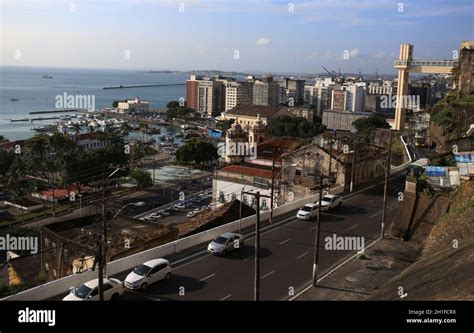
(319, 94)
(89, 141)
(132, 105)
(384, 88)
(237, 93)
(231, 180)
(349, 98)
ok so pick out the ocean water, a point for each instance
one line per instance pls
(37, 94)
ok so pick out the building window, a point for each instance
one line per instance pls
(53, 249)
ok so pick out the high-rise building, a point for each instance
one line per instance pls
(237, 93)
(319, 94)
(293, 91)
(205, 95)
(266, 92)
(349, 98)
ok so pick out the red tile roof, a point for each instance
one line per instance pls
(248, 170)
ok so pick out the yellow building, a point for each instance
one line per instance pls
(248, 116)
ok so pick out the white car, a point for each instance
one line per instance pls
(225, 243)
(148, 273)
(330, 201)
(181, 205)
(308, 211)
(89, 291)
(191, 214)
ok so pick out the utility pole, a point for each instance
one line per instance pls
(318, 232)
(256, 291)
(353, 165)
(385, 188)
(273, 186)
(103, 239)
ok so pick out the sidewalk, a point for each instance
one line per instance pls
(359, 278)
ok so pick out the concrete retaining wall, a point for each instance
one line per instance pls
(59, 286)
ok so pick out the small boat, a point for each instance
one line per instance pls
(46, 77)
(14, 99)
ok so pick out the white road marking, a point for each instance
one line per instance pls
(302, 255)
(225, 297)
(370, 201)
(374, 215)
(313, 228)
(355, 225)
(249, 258)
(267, 275)
(285, 241)
(330, 272)
(207, 277)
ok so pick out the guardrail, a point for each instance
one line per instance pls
(404, 165)
(62, 285)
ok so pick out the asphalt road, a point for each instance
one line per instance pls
(287, 254)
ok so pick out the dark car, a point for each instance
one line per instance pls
(4, 214)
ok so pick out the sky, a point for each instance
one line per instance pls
(275, 36)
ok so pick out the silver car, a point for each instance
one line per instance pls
(225, 243)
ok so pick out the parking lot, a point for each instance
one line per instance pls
(179, 211)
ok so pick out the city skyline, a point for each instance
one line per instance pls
(258, 36)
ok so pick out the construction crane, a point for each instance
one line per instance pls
(331, 74)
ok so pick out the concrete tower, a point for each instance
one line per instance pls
(406, 56)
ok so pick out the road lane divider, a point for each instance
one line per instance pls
(267, 275)
(207, 277)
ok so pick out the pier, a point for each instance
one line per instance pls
(57, 111)
(147, 85)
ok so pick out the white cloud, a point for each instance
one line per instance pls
(354, 53)
(263, 41)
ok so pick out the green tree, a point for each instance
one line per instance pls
(115, 104)
(172, 105)
(296, 127)
(365, 126)
(142, 178)
(196, 151)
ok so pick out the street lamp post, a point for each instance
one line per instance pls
(103, 245)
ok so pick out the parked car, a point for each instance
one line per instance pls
(148, 273)
(191, 214)
(4, 214)
(181, 205)
(155, 216)
(205, 208)
(164, 212)
(330, 201)
(197, 210)
(308, 211)
(89, 291)
(226, 243)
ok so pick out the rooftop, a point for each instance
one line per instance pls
(249, 170)
(254, 110)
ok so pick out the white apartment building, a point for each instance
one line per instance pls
(382, 88)
(237, 93)
(349, 98)
(319, 94)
